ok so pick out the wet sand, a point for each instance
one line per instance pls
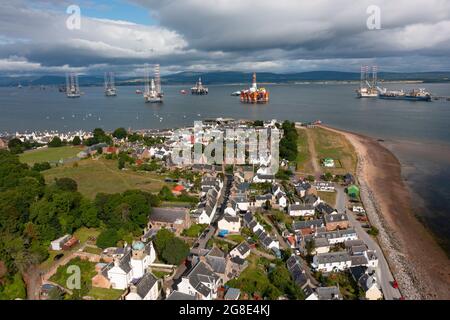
(418, 263)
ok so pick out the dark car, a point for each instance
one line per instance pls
(58, 256)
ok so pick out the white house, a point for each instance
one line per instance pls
(230, 223)
(282, 200)
(261, 178)
(200, 282)
(58, 243)
(146, 288)
(261, 200)
(331, 261)
(301, 210)
(325, 186)
(132, 265)
(242, 250)
(371, 287)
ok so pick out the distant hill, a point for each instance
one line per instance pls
(229, 77)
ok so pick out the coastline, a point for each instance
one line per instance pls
(418, 263)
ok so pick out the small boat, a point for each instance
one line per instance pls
(138, 91)
(236, 94)
(183, 91)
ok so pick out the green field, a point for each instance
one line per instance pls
(94, 176)
(49, 154)
(328, 197)
(304, 155)
(105, 294)
(329, 144)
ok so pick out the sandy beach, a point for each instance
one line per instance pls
(419, 264)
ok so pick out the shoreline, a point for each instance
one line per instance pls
(417, 261)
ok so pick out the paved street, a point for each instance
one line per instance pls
(383, 273)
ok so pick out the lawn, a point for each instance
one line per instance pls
(194, 230)
(84, 233)
(160, 274)
(333, 145)
(93, 250)
(105, 294)
(102, 175)
(304, 156)
(328, 197)
(51, 155)
(87, 270)
(236, 238)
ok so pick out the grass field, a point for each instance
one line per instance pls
(94, 176)
(329, 144)
(304, 156)
(105, 294)
(328, 197)
(51, 155)
(84, 233)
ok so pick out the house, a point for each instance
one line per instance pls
(232, 294)
(100, 280)
(59, 243)
(110, 150)
(200, 282)
(178, 189)
(332, 261)
(301, 210)
(336, 221)
(281, 200)
(263, 178)
(325, 186)
(294, 265)
(177, 295)
(325, 293)
(349, 179)
(324, 208)
(70, 243)
(337, 236)
(232, 224)
(242, 250)
(251, 223)
(307, 227)
(145, 288)
(175, 219)
(302, 188)
(321, 245)
(328, 163)
(367, 282)
(261, 200)
(131, 265)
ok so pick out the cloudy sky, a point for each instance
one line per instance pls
(242, 35)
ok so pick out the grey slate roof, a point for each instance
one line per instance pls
(168, 215)
(333, 257)
(201, 273)
(297, 225)
(145, 284)
(335, 217)
(177, 295)
(328, 293)
(243, 248)
(358, 260)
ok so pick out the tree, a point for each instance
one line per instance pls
(310, 246)
(55, 143)
(15, 289)
(175, 251)
(76, 141)
(107, 238)
(165, 194)
(15, 146)
(66, 184)
(328, 176)
(120, 133)
(258, 123)
(41, 166)
(121, 164)
(162, 238)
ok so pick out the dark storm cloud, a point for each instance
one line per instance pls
(278, 36)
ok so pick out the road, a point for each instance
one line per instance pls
(383, 272)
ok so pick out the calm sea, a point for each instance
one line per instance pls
(417, 132)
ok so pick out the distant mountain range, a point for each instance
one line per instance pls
(230, 77)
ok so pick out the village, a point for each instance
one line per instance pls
(252, 233)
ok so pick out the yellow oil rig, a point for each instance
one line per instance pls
(253, 94)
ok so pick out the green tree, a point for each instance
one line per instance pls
(175, 251)
(55, 143)
(162, 238)
(76, 141)
(14, 289)
(66, 184)
(107, 238)
(41, 166)
(120, 133)
(15, 145)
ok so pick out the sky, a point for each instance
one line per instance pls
(280, 36)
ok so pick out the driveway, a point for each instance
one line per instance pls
(383, 273)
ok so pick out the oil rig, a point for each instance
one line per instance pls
(254, 94)
(152, 92)
(72, 86)
(199, 89)
(368, 87)
(110, 88)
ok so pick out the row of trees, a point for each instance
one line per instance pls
(288, 144)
